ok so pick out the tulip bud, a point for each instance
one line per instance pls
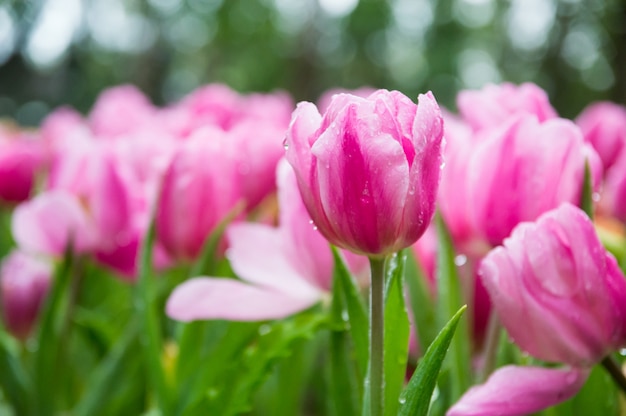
(368, 170)
(558, 292)
(198, 191)
(24, 283)
(604, 126)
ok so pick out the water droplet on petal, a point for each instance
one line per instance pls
(285, 144)
(595, 196)
(460, 260)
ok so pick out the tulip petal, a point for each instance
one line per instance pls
(210, 298)
(259, 254)
(518, 391)
(47, 223)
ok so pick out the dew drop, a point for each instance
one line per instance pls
(315, 228)
(460, 260)
(264, 329)
(402, 400)
(595, 196)
(622, 352)
(285, 144)
(345, 316)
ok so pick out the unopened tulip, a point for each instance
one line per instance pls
(519, 391)
(558, 292)
(368, 170)
(604, 126)
(283, 270)
(522, 170)
(198, 190)
(24, 284)
(495, 104)
(21, 157)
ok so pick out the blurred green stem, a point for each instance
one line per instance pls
(377, 307)
(494, 330)
(613, 368)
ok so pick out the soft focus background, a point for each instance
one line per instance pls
(56, 52)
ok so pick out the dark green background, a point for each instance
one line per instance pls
(259, 45)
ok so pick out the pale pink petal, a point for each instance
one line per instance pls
(518, 391)
(49, 222)
(211, 298)
(258, 255)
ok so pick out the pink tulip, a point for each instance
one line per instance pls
(199, 189)
(284, 270)
(558, 292)
(368, 170)
(495, 104)
(119, 111)
(21, 157)
(327, 97)
(522, 170)
(24, 284)
(256, 148)
(519, 391)
(604, 126)
(49, 222)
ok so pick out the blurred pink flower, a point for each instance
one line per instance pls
(495, 104)
(284, 270)
(22, 156)
(24, 284)
(519, 391)
(604, 126)
(368, 170)
(120, 111)
(558, 292)
(522, 170)
(199, 189)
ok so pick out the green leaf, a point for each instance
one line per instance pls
(232, 394)
(586, 195)
(107, 375)
(13, 378)
(416, 397)
(396, 330)
(358, 320)
(422, 305)
(219, 347)
(450, 299)
(151, 337)
(48, 337)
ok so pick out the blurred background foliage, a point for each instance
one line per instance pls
(64, 52)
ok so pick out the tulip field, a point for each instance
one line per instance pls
(369, 254)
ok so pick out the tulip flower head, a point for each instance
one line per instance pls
(560, 295)
(368, 169)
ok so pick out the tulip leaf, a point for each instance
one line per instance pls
(49, 336)
(422, 305)
(232, 392)
(106, 376)
(151, 337)
(358, 320)
(13, 378)
(450, 299)
(396, 330)
(586, 194)
(417, 395)
(220, 344)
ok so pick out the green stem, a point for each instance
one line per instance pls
(615, 371)
(494, 330)
(151, 339)
(377, 307)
